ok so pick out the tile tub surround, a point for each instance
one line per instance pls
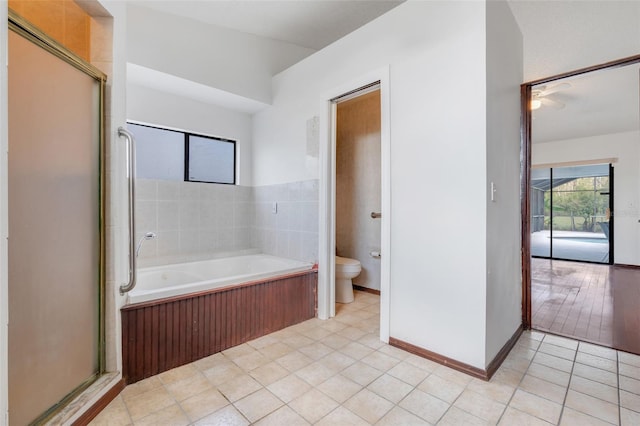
(337, 372)
(193, 220)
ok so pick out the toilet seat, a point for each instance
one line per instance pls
(346, 265)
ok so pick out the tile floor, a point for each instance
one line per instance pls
(337, 372)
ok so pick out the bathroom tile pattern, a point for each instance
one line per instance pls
(337, 372)
(193, 220)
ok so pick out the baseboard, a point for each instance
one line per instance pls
(497, 361)
(366, 289)
(625, 266)
(461, 366)
(100, 404)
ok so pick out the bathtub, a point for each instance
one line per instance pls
(160, 282)
(181, 313)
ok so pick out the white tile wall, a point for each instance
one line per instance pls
(195, 219)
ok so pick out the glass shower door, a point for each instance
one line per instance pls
(54, 230)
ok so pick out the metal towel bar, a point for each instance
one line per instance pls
(131, 168)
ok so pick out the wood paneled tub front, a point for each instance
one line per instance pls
(180, 313)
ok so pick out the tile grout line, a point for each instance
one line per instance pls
(566, 393)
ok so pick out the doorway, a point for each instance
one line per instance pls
(592, 121)
(56, 224)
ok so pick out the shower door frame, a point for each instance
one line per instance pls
(31, 33)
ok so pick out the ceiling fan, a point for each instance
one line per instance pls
(540, 96)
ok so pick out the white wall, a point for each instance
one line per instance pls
(436, 55)
(236, 62)
(504, 75)
(626, 209)
(164, 109)
(4, 221)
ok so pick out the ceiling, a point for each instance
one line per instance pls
(308, 23)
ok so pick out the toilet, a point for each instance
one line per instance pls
(346, 270)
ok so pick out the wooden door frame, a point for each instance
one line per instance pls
(525, 167)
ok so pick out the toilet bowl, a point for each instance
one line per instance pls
(346, 270)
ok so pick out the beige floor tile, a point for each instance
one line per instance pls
(525, 353)
(425, 406)
(258, 404)
(209, 362)
(549, 374)
(575, 418)
(339, 388)
(318, 333)
(294, 361)
(115, 414)
(342, 417)
(316, 350)
(171, 415)
(337, 361)
(452, 375)
(179, 373)
(283, 416)
(509, 377)
(492, 390)
(408, 373)
(297, 341)
(595, 374)
(422, 363)
(558, 351)
(394, 352)
(368, 405)
(264, 341)
(441, 388)
(592, 406)
(361, 373)
(399, 416)
(269, 373)
(630, 401)
(597, 350)
(335, 341)
(513, 417)
(536, 406)
(315, 373)
(372, 341)
(239, 387)
(356, 350)
(553, 362)
(238, 351)
(313, 405)
(289, 388)
(630, 385)
(629, 359)
(222, 373)
(140, 387)
(517, 363)
(390, 388)
(595, 389)
(597, 362)
(352, 333)
(480, 406)
(148, 402)
(227, 416)
(333, 326)
(276, 350)
(455, 416)
(380, 361)
(528, 342)
(185, 388)
(629, 418)
(629, 370)
(251, 361)
(203, 404)
(543, 389)
(561, 341)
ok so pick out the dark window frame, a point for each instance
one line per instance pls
(187, 135)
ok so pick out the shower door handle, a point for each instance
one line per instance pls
(131, 171)
(375, 215)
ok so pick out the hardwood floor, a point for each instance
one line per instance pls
(590, 302)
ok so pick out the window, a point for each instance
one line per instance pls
(175, 155)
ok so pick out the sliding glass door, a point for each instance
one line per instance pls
(570, 213)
